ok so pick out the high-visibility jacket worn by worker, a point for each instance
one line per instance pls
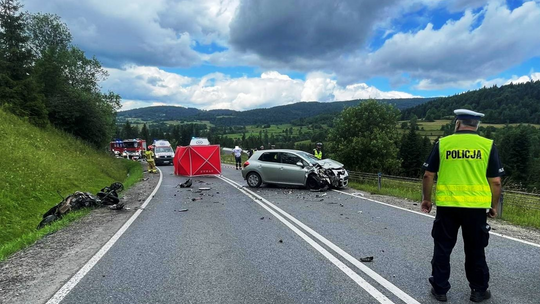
(317, 154)
(149, 155)
(462, 180)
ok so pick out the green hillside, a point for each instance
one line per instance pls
(36, 164)
(513, 103)
(275, 115)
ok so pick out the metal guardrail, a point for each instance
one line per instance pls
(519, 199)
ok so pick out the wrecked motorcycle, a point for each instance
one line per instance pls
(79, 200)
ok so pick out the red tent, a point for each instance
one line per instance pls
(197, 160)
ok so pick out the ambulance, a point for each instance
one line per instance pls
(163, 152)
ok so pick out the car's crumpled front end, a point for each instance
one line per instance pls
(329, 173)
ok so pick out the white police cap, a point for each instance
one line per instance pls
(468, 114)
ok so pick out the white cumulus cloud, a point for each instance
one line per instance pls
(148, 86)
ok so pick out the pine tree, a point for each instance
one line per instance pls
(411, 152)
(18, 89)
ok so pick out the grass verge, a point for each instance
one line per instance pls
(33, 235)
(37, 166)
(518, 209)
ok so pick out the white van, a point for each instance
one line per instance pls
(163, 151)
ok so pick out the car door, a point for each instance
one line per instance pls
(270, 167)
(291, 173)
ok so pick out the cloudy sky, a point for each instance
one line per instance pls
(245, 54)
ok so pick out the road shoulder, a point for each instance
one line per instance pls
(34, 274)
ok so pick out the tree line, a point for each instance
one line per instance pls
(512, 103)
(295, 113)
(48, 80)
(364, 138)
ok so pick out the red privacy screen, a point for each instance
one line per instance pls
(197, 160)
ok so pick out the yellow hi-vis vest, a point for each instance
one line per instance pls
(318, 154)
(149, 155)
(462, 180)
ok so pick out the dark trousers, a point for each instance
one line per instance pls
(475, 231)
(238, 161)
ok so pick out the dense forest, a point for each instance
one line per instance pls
(49, 81)
(513, 103)
(274, 115)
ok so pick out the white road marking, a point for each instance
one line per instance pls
(62, 292)
(381, 298)
(386, 204)
(429, 215)
(375, 276)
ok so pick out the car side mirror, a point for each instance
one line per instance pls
(300, 164)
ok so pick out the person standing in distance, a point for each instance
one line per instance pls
(469, 183)
(317, 152)
(237, 152)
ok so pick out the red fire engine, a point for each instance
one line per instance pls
(116, 147)
(129, 148)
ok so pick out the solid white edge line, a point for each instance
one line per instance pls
(69, 285)
(375, 276)
(428, 215)
(381, 298)
(382, 203)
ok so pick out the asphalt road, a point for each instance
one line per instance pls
(280, 245)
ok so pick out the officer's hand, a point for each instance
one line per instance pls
(492, 213)
(426, 206)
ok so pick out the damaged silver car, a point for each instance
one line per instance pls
(293, 167)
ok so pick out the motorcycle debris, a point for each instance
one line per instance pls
(366, 259)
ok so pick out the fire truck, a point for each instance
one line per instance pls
(129, 148)
(116, 147)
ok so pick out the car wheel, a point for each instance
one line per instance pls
(313, 182)
(253, 179)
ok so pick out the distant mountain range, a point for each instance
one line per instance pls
(274, 115)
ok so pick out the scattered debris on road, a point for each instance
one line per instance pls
(366, 259)
(205, 188)
(182, 210)
(196, 199)
(280, 241)
(186, 184)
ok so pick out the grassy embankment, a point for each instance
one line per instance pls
(36, 165)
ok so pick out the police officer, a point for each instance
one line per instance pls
(468, 185)
(317, 152)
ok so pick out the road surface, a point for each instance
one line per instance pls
(285, 245)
